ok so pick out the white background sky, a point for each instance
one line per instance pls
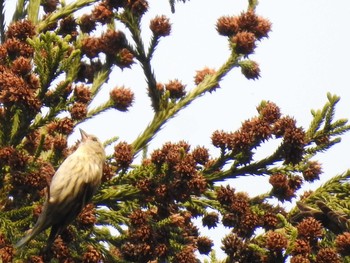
(306, 56)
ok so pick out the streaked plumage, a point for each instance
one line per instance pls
(71, 188)
(334, 221)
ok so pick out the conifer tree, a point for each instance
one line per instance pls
(54, 63)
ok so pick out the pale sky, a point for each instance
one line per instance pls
(305, 57)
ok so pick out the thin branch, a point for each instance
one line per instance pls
(63, 12)
(33, 10)
(20, 11)
(161, 117)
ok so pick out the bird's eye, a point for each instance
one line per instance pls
(94, 139)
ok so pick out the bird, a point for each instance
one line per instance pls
(335, 221)
(72, 187)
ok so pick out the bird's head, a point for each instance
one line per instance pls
(87, 137)
(91, 141)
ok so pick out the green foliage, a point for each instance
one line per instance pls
(33, 10)
(144, 211)
(20, 11)
(50, 51)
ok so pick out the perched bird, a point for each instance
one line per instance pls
(335, 221)
(71, 188)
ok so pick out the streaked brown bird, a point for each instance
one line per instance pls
(71, 188)
(335, 221)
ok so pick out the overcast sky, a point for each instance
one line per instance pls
(305, 57)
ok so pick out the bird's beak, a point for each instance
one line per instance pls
(83, 134)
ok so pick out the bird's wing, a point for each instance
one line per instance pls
(338, 220)
(67, 179)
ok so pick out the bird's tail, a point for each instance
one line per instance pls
(33, 232)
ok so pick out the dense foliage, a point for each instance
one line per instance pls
(53, 63)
